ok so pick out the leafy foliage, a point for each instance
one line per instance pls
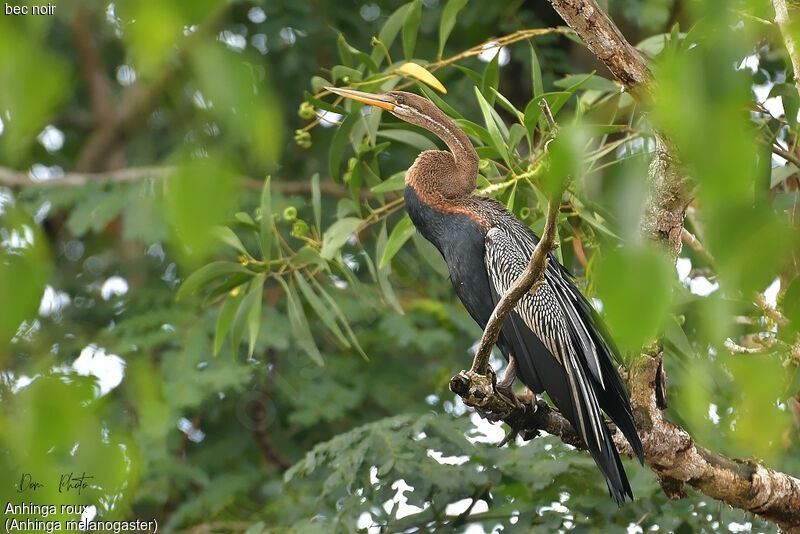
(284, 337)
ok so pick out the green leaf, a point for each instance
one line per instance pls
(536, 73)
(635, 287)
(396, 182)
(491, 127)
(448, 21)
(336, 236)
(338, 144)
(321, 310)
(229, 237)
(207, 273)
(589, 81)
(344, 51)
(200, 194)
(779, 174)
(790, 99)
(241, 318)
(414, 139)
(389, 31)
(253, 308)
(266, 220)
(300, 328)
(791, 302)
(225, 318)
(342, 319)
(400, 234)
(490, 79)
(383, 274)
(316, 200)
(411, 27)
(440, 103)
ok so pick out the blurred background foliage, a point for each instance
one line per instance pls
(225, 352)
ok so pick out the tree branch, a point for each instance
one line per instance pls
(18, 179)
(783, 22)
(668, 449)
(669, 186)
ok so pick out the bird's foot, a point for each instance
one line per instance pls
(507, 393)
(517, 426)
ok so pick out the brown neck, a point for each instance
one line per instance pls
(451, 174)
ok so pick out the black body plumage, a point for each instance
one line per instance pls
(556, 337)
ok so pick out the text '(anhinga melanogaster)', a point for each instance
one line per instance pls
(553, 339)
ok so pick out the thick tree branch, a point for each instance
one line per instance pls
(668, 449)
(669, 187)
(783, 21)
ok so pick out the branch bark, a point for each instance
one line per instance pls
(783, 22)
(670, 451)
(669, 186)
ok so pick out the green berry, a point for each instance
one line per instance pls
(306, 111)
(299, 228)
(290, 214)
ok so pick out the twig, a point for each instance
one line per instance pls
(533, 273)
(783, 21)
(698, 247)
(785, 154)
(17, 179)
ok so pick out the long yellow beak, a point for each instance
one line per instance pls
(381, 101)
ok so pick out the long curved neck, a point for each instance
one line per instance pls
(452, 175)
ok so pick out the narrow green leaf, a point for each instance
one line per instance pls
(224, 320)
(531, 118)
(536, 73)
(414, 139)
(241, 319)
(227, 236)
(344, 51)
(515, 135)
(389, 32)
(395, 182)
(254, 313)
(207, 273)
(316, 200)
(589, 81)
(491, 127)
(400, 234)
(336, 235)
(490, 79)
(300, 328)
(429, 254)
(411, 28)
(342, 319)
(383, 274)
(338, 144)
(448, 21)
(266, 220)
(245, 219)
(440, 102)
(321, 310)
(507, 105)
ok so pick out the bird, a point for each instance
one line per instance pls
(554, 340)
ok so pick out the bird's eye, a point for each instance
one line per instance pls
(400, 100)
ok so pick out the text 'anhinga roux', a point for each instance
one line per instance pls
(554, 340)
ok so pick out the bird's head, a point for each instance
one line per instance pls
(409, 107)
